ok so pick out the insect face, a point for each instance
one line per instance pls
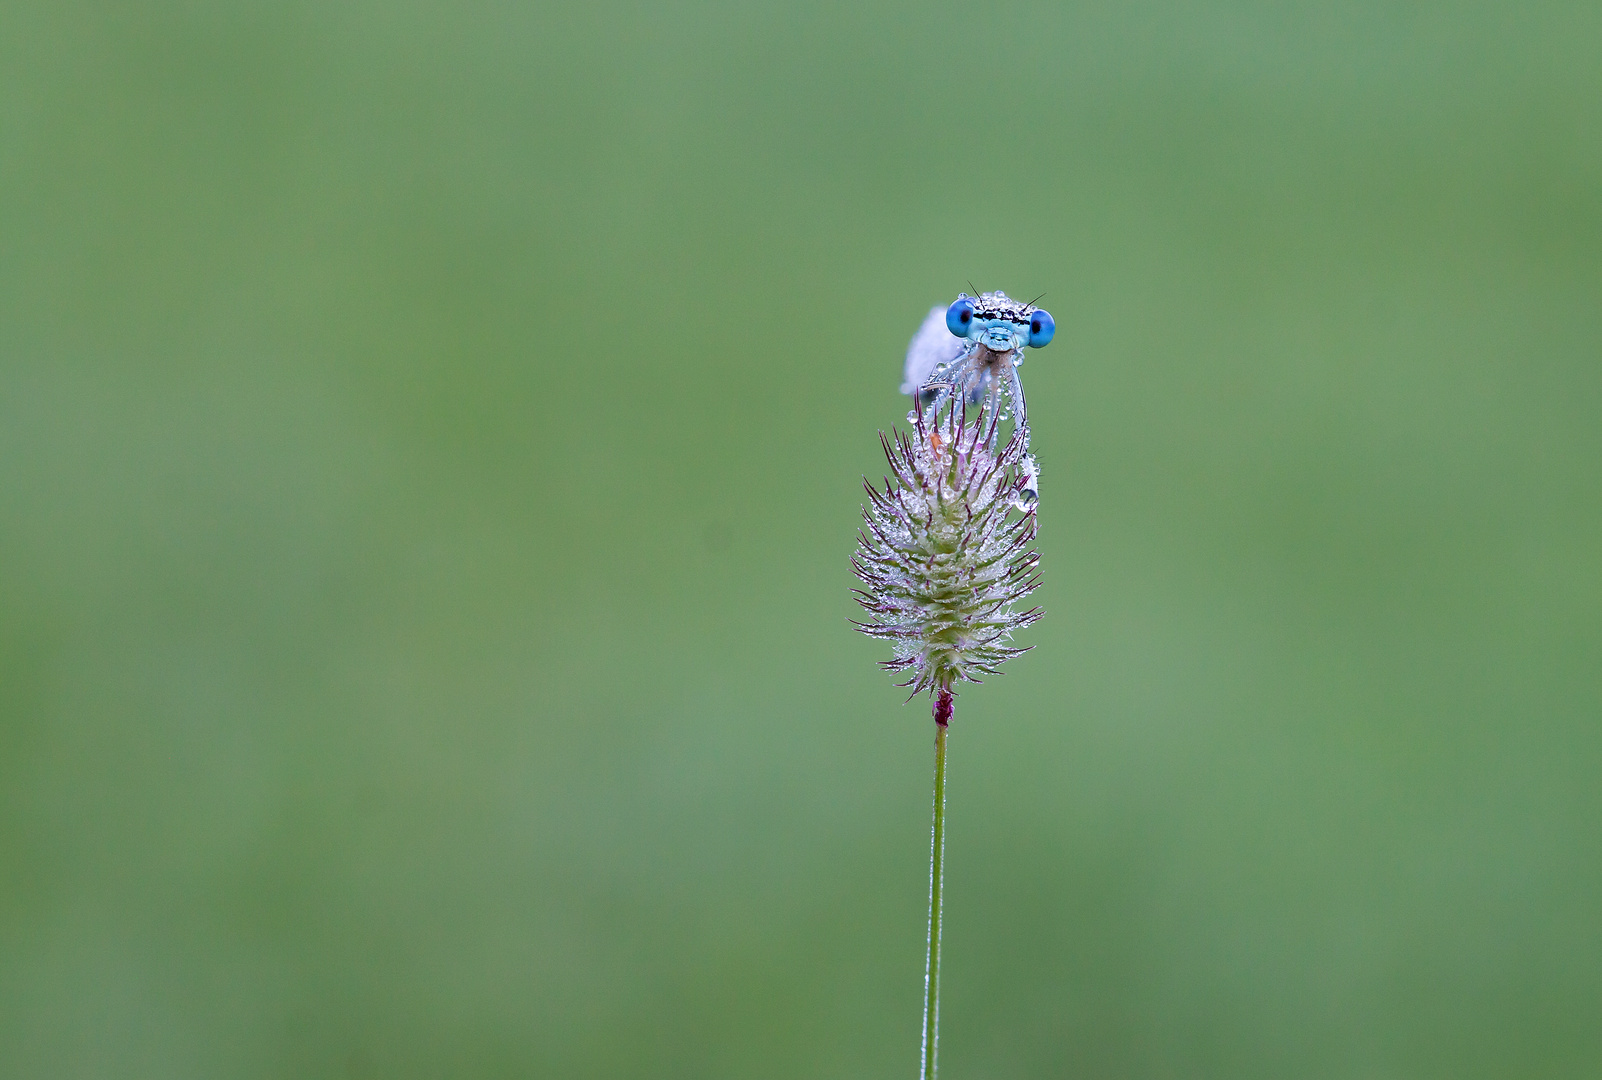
(998, 322)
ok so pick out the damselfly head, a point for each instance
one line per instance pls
(998, 322)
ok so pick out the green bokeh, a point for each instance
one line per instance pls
(431, 440)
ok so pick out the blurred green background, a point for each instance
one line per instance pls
(430, 439)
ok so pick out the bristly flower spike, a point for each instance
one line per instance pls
(945, 553)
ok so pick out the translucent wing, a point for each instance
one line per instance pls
(931, 345)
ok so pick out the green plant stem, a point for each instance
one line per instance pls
(937, 852)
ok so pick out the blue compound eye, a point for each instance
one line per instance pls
(1041, 327)
(959, 317)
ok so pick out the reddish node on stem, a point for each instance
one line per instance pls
(943, 707)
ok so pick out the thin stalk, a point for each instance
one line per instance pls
(937, 858)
